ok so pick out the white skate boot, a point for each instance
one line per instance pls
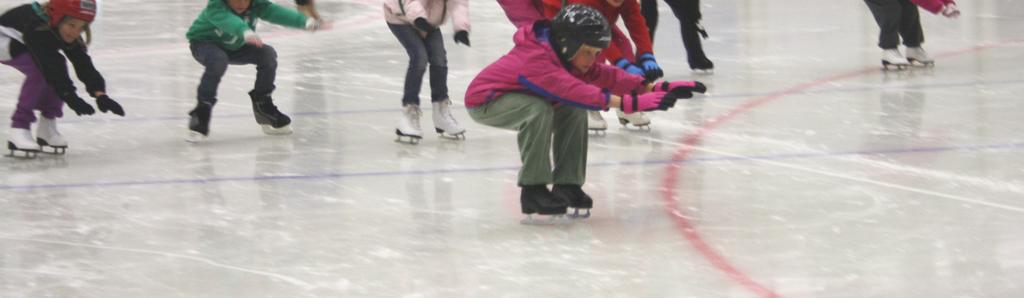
(637, 119)
(919, 56)
(20, 140)
(408, 130)
(444, 124)
(596, 123)
(892, 57)
(47, 136)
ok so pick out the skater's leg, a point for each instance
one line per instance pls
(533, 118)
(649, 9)
(271, 119)
(438, 65)
(215, 63)
(688, 13)
(910, 24)
(887, 14)
(265, 59)
(33, 91)
(415, 47)
(570, 145)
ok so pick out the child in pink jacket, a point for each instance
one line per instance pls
(415, 24)
(543, 88)
(899, 18)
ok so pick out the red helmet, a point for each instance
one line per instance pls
(80, 9)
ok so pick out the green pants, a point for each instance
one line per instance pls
(537, 121)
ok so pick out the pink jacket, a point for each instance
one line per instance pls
(533, 67)
(522, 12)
(933, 6)
(404, 12)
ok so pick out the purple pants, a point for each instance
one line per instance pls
(36, 94)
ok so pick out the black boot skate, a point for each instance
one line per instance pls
(269, 117)
(538, 199)
(199, 123)
(695, 56)
(578, 200)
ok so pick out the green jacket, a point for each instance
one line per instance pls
(220, 24)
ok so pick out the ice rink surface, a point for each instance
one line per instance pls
(808, 172)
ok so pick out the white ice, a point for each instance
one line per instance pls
(808, 172)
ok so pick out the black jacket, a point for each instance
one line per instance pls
(45, 45)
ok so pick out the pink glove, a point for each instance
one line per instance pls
(950, 11)
(692, 86)
(655, 100)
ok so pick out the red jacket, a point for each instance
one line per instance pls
(934, 6)
(630, 12)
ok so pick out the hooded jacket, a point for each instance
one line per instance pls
(219, 24)
(25, 29)
(533, 67)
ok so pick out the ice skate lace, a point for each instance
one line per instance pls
(446, 112)
(412, 112)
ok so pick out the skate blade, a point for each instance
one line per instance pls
(26, 153)
(451, 136)
(410, 139)
(703, 70)
(625, 123)
(919, 63)
(579, 216)
(270, 130)
(195, 137)
(598, 131)
(886, 65)
(53, 149)
(546, 220)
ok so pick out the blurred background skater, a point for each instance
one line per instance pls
(900, 18)
(688, 14)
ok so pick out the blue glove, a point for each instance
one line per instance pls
(629, 67)
(651, 69)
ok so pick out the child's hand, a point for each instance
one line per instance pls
(105, 104)
(79, 105)
(462, 37)
(317, 25)
(692, 86)
(950, 11)
(629, 67)
(253, 39)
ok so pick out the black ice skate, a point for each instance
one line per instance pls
(701, 64)
(270, 119)
(698, 61)
(578, 200)
(537, 199)
(199, 123)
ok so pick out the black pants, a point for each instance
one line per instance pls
(896, 18)
(688, 14)
(216, 61)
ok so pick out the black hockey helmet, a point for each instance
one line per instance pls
(577, 25)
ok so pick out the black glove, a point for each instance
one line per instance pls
(78, 105)
(462, 36)
(109, 105)
(423, 25)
